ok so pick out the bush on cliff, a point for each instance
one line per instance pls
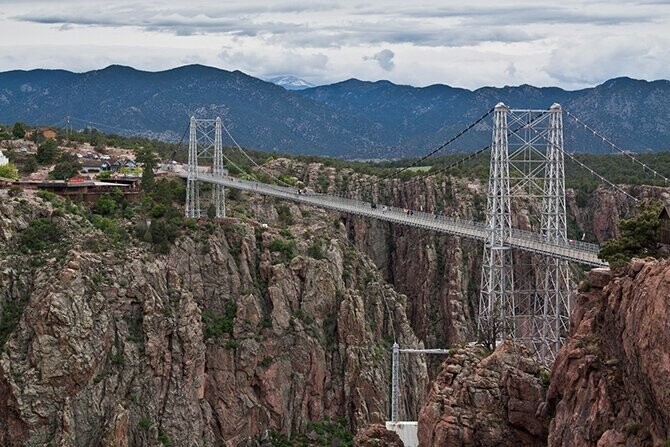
(639, 237)
(40, 234)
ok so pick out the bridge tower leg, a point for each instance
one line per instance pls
(553, 320)
(192, 208)
(218, 192)
(395, 385)
(496, 301)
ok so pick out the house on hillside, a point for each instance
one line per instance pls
(93, 166)
(664, 217)
(119, 164)
(3, 160)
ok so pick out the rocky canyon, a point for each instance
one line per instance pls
(278, 321)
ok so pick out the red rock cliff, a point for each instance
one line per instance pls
(610, 384)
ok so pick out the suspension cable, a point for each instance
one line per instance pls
(615, 147)
(464, 159)
(436, 150)
(252, 160)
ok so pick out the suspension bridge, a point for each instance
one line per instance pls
(527, 163)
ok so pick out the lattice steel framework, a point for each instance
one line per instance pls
(530, 302)
(218, 193)
(496, 300)
(192, 187)
(555, 312)
(205, 141)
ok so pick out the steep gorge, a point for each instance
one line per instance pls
(440, 274)
(271, 319)
(228, 335)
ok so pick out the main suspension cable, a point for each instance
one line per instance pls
(615, 147)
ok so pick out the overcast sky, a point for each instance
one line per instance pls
(568, 43)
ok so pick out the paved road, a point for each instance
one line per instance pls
(575, 251)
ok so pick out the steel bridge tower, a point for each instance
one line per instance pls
(529, 302)
(205, 141)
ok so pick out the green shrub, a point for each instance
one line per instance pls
(145, 423)
(105, 206)
(50, 197)
(639, 237)
(287, 249)
(47, 152)
(67, 166)
(217, 324)
(110, 227)
(285, 216)
(324, 433)
(9, 171)
(18, 131)
(40, 235)
(158, 211)
(164, 439)
(9, 318)
(315, 250)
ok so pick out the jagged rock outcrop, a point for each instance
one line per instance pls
(438, 273)
(610, 382)
(376, 435)
(226, 336)
(480, 400)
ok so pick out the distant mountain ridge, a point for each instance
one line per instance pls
(352, 119)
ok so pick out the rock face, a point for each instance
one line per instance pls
(438, 273)
(225, 337)
(376, 435)
(484, 401)
(610, 382)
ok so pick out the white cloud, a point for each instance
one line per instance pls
(573, 44)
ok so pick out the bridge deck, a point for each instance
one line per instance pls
(575, 251)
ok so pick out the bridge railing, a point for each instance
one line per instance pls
(571, 249)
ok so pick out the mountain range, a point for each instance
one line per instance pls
(349, 119)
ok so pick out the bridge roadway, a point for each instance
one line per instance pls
(574, 251)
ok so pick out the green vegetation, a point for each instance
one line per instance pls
(164, 439)
(148, 159)
(328, 433)
(284, 214)
(639, 237)
(18, 131)
(545, 376)
(9, 318)
(287, 249)
(30, 165)
(315, 250)
(9, 171)
(163, 204)
(47, 152)
(145, 423)
(67, 166)
(218, 324)
(40, 235)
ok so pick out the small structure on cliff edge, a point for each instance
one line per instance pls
(3, 160)
(664, 217)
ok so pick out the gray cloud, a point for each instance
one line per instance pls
(374, 31)
(384, 58)
(513, 14)
(573, 44)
